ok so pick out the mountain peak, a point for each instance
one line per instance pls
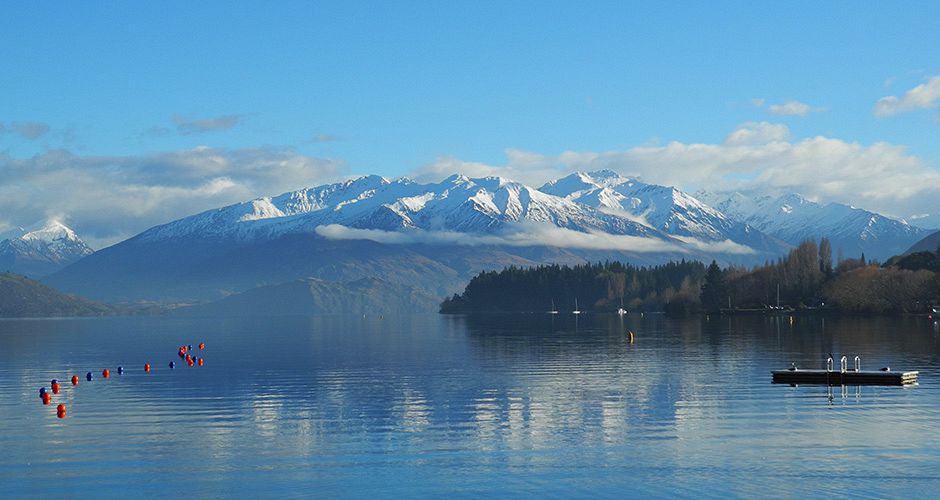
(371, 180)
(41, 248)
(49, 230)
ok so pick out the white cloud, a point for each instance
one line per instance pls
(882, 177)
(792, 108)
(107, 198)
(758, 133)
(530, 168)
(923, 96)
(526, 234)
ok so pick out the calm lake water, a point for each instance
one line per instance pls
(466, 406)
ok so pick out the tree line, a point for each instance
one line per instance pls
(595, 287)
(806, 278)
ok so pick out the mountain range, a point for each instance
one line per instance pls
(663, 207)
(432, 237)
(793, 218)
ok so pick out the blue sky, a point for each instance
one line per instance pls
(495, 87)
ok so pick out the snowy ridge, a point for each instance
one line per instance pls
(662, 207)
(794, 218)
(459, 203)
(601, 202)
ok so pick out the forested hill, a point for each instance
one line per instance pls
(807, 278)
(21, 297)
(597, 287)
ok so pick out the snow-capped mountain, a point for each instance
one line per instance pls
(457, 204)
(431, 236)
(793, 218)
(435, 236)
(41, 249)
(663, 207)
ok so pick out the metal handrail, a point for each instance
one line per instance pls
(829, 364)
(858, 364)
(844, 364)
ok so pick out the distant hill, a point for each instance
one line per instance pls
(313, 296)
(928, 244)
(21, 297)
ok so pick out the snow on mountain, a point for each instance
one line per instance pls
(40, 249)
(793, 218)
(433, 237)
(457, 204)
(662, 207)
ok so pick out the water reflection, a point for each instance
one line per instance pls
(433, 403)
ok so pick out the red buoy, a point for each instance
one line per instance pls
(200, 361)
(105, 373)
(46, 398)
(55, 388)
(60, 411)
(146, 367)
(202, 345)
(74, 379)
(190, 361)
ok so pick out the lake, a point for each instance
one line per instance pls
(431, 405)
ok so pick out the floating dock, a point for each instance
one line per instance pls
(850, 377)
(844, 375)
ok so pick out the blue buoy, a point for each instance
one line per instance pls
(42, 390)
(88, 376)
(172, 364)
(190, 347)
(54, 381)
(120, 370)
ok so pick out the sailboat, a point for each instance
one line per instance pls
(576, 310)
(778, 309)
(553, 310)
(621, 311)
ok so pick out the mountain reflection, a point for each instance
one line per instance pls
(505, 394)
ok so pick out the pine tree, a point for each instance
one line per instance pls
(714, 290)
